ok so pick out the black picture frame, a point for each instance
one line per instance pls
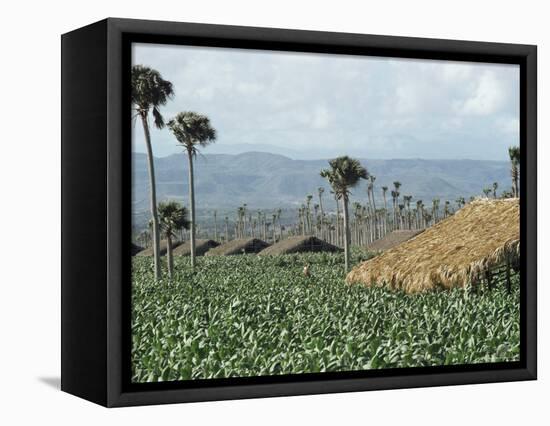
(96, 218)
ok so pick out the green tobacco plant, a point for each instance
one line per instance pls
(250, 315)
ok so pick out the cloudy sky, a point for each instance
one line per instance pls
(313, 106)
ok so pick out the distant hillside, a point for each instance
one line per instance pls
(264, 180)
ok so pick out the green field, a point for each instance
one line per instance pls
(252, 315)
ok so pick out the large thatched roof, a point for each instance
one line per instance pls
(455, 252)
(393, 239)
(298, 245)
(163, 248)
(240, 246)
(201, 247)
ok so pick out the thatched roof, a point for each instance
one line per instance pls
(393, 239)
(241, 246)
(457, 251)
(135, 249)
(201, 247)
(298, 245)
(163, 248)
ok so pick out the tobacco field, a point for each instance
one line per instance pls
(254, 315)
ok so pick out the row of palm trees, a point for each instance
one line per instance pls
(367, 222)
(193, 131)
(190, 129)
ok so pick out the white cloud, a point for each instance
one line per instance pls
(488, 98)
(322, 104)
(321, 118)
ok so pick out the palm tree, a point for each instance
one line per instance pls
(344, 173)
(513, 152)
(337, 218)
(447, 209)
(240, 220)
(144, 238)
(420, 211)
(384, 190)
(407, 199)
(370, 191)
(274, 219)
(192, 131)
(495, 187)
(172, 217)
(435, 210)
(308, 213)
(215, 225)
(279, 211)
(486, 192)
(321, 190)
(395, 194)
(149, 92)
(244, 220)
(394, 204)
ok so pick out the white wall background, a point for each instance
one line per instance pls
(30, 193)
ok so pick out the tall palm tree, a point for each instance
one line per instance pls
(407, 199)
(513, 152)
(435, 210)
(495, 187)
(321, 190)
(149, 92)
(279, 211)
(308, 213)
(274, 219)
(192, 131)
(395, 194)
(370, 190)
(394, 205)
(144, 238)
(240, 221)
(244, 220)
(344, 173)
(172, 218)
(447, 209)
(420, 210)
(215, 225)
(337, 218)
(384, 190)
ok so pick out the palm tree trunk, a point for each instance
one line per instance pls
(337, 222)
(374, 215)
(153, 197)
(515, 183)
(215, 226)
(322, 217)
(346, 234)
(192, 207)
(169, 256)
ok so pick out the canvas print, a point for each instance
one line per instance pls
(297, 213)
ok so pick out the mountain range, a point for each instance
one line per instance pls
(267, 180)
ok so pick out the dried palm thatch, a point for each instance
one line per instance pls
(163, 249)
(456, 252)
(201, 247)
(240, 246)
(299, 245)
(393, 239)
